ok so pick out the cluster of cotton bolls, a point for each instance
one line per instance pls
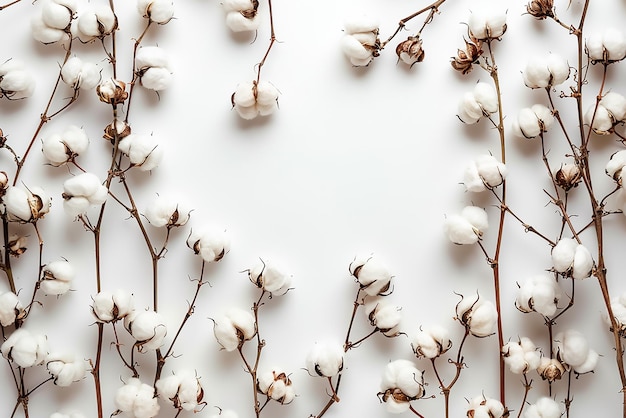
(481, 101)
(607, 114)
(361, 44)
(540, 293)
(571, 258)
(253, 98)
(402, 383)
(62, 148)
(484, 172)
(241, 15)
(152, 66)
(484, 407)
(478, 316)
(15, 81)
(532, 122)
(466, 227)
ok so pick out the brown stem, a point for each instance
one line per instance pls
(431, 8)
(9, 4)
(527, 387)
(271, 44)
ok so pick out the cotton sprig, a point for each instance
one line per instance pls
(610, 111)
(137, 399)
(112, 306)
(11, 309)
(270, 277)
(157, 11)
(540, 293)
(521, 356)
(15, 81)
(234, 328)
(65, 368)
(166, 212)
(325, 359)
(478, 316)
(26, 204)
(241, 15)
(482, 101)
(606, 47)
(485, 407)
(532, 121)
(276, 385)
(401, 384)
(62, 148)
(152, 66)
(95, 22)
(372, 275)
(144, 151)
(431, 342)
(182, 390)
(484, 172)
(253, 98)
(81, 192)
(544, 407)
(360, 43)
(78, 74)
(572, 349)
(57, 277)
(147, 327)
(486, 23)
(24, 348)
(545, 71)
(52, 23)
(573, 259)
(210, 243)
(468, 226)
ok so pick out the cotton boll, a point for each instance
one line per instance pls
(539, 293)
(17, 84)
(270, 277)
(211, 243)
(615, 165)
(606, 47)
(371, 274)
(81, 192)
(143, 151)
(469, 110)
(491, 171)
(151, 56)
(544, 408)
(156, 78)
(158, 11)
(234, 328)
(354, 49)
(25, 349)
(112, 306)
(165, 212)
(325, 359)
(181, 389)
(55, 15)
(237, 22)
(16, 204)
(147, 328)
(276, 385)
(583, 264)
(484, 407)
(95, 22)
(477, 217)
(57, 277)
(44, 33)
(137, 399)
(266, 93)
(589, 364)
(11, 309)
(486, 96)
(483, 319)
(431, 342)
(486, 23)
(472, 180)
(571, 347)
(65, 368)
(244, 95)
(402, 382)
(459, 230)
(383, 315)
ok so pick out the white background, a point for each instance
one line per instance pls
(356, 161)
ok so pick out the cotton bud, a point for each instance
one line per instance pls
(325, 359)
(544, 408)
(546, 71)
(482, 101)
(81, 192)
(550, 369)
(276, 385)
(165, 212)
(147, 328)
(606, 47)
(137, 399)
(484, 407)
(24, 348)
(157, 11)
(522, 356)
(56, 277)
(234, 328)
(26, 204)
(153, 68)
(270, 277)
(79, 74)
(488, 23)
(431, 342)
(252, 99)
(540, 9)
(210, 243)
(540, 294)
(11, 309)
(360, 43)
(402, 383)
(112, 306)
(410, 51)
(17, 245)
(615, 166)
(532, 121)
(610, 111)
(62, 148)
(143, 151)
(572, 259)
(383, 315)
(95, 23)
(116, 131)
(15, 81)
(468, 226)
(567, 176)
(112, 91)
(65, 368)
(241, 15)
(572, 349)
(466, 58)
(484, 172)
(477, 315)
(372, 275)
(182, 390)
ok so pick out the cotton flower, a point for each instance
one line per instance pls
(26, 204)
(157, 11)
(15, 81)
(482, 101)
(550, 369)
(252, 99)
(11, 309)
(112, 91)
(234, 328)
(484, 407)
(64, 147)
(487, 23)
(410, 51)
(137, 399)
(544, 407)
(276, 385)
(112, 306)
(25, 349)
(270, 277)
(361, 44)
(81, 192)
(402, 383)
(56, 277)
(484, 172)
(532, 121)
(147, 328)
(567, 176)
(79, 74)
(606, 47)
(325, 359)
(95, 22)
(241, 15)
(468, 226)
(431, 342)
(521, 356)
(572, 259)
(545, 71)
(65, 368)
(572, 349)
(371, 274)
(166, 212)
(210, 243)
(610, 111)
(477, 315)
(182, 390)
(383, 315)
(153, 68)
(540, 293)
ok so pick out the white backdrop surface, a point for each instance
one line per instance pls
(355, 161)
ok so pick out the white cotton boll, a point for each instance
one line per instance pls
(84, 184)
(182, 390)
(95, 22)
(615, 104)
(56, 15)
(469, 110)
(137, 399)
(361, 24)
(544, 116)
(477, 217)
(44, 33)
(158, 11)
(276, 385)
(487, 23)
(237, 5)
(112, 306)
(372, 274)
(459, 230)
(539, 293)
(602, 120)
(266, 93)
(65, 368)
(431, 342)
(147, 328)
(234, 328)
(17, 84)
(156, 78)
(563, 254)
(70, 72)
(589, 364)
(526, 124)
(244, 95)
(486, 96)
(472, 180)
(615, 165)
(513, 356)
(354, 49)
(594, 46)
(271, 277)
(16, 204)
(583, 263)
(76, 139)
(143, 151)
(544, 408)
(491, 171)
(24, 348)
(483, 319)
(11, 309)
(614, 43)
(151, 56)
(402, 382)
(484, 407)
(571, 347)
(81, 192)
(559, 69)
(325, 359)
(383, 315)
(12, 64)
(57, 277)
(536, 74)
(239, 23)
(211, 243)
(89, 76)
(164, 211)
